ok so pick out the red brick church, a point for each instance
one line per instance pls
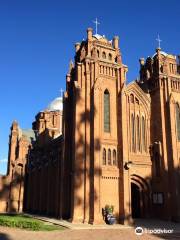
(104, 142)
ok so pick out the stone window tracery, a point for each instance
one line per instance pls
(138, 125)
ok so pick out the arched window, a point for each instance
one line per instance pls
(143, 135)
(136, 100)
(106, 111)
(132, 133)
(104, 55)
(138, 134)
(98, 53)
(110, 56)
(109, 157)
(132, 98)
(178, 121)
(114, 157)
(104, 156)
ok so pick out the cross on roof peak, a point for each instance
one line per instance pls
(159, 41)
(96, 23)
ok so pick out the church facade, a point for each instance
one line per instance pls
(116, 144)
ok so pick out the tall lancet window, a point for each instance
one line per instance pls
(104, 156)
(106, 111)
(143, 135)
(178, 121)
(109, 157)
(138, 135)
(114, 158)
(132, 133)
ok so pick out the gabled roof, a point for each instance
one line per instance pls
(135, 89)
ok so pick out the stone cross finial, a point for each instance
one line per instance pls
(96, 22)
(159, 41)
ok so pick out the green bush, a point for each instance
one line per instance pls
(25, 222)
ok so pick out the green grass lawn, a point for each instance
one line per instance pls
(26, 222)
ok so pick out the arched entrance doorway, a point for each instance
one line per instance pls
(135, 201)
(140, 197)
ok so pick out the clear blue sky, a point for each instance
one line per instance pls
(37, 41)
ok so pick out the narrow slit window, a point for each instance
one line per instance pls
(114, 158)
(106, 111)
(132, 133)
(138, 135)
(109, 157)
(104, 156)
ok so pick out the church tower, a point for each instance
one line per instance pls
(160, 76)
(92, 107)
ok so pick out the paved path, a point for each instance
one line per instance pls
(74, 226)
(86, 234)
(89, 232)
